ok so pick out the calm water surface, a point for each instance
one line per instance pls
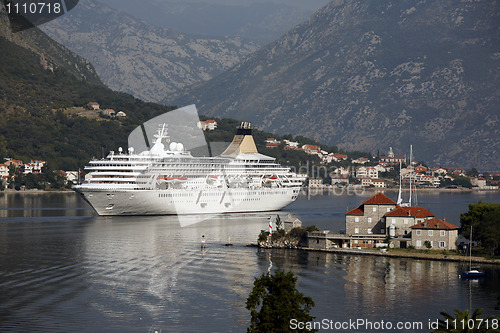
(62, 269)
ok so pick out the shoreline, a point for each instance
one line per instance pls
(329, 188)
(394, 254)
(33, 191)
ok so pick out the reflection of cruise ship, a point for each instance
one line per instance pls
(171, 181)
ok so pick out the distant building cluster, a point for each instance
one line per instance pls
(369, 176)
(106, 112)
(33, 167)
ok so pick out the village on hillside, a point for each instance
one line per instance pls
(366, 172)
(387, 171)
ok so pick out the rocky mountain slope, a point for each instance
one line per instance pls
(261, 21)
(138, 58)
(37, 97)
(55, 54)
(371, 74)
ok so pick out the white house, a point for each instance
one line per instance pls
(4, 171)
(93, 106)
(369, 172)
(34, 167)
(207, 125)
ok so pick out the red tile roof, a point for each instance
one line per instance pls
(435, 223)
(379, 199)
(410, 211)
(356, 211)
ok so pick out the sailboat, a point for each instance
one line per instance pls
(400, 199)
(472, 273)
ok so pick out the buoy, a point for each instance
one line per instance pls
(203, 244)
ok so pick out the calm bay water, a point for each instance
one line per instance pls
(62, 269)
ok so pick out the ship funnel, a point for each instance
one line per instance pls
(243, 142)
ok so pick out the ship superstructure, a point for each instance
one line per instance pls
(167, 179)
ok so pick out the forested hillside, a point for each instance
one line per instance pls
(33, 123)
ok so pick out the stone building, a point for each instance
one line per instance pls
(291, 222)
(368, 218)
(440, 234)
(402, 218)
(315, 181)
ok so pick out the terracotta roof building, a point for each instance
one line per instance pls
(402, 218)
(437, 233)
(368, 219)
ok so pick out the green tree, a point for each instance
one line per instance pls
(279, 223)
(484, 217)
(275, 301)
(459, 181)
(464, 322)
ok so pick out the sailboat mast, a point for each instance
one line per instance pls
(400, 199)
(470, 249)
(411, 173)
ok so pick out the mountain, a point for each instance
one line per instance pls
(43, 87)
(56, 54)
(368, 74)
(262, 21)
(135, 57)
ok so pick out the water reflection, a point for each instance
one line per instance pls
(127, 274)
(17, 205)
(374, 288)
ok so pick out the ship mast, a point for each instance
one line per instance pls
(411, 172)
(400, 199)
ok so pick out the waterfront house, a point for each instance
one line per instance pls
(368, 218)
(365, 181)
(401, 219)
(315, 182)
(440, 234)
(378, 183)
(339, 179)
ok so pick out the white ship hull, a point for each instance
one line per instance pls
(181, 202)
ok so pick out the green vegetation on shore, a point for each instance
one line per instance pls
(484, 218)
(33, 124)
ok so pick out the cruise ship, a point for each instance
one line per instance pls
(167, 180)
